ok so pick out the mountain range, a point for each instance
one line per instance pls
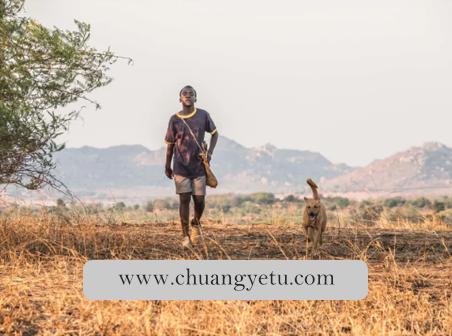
(87, 170)
(133, 172)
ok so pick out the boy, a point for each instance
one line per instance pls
(188, 170)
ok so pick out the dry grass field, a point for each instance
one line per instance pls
(42, 258)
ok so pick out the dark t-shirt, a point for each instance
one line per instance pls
(186, 160)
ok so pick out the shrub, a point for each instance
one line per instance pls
(119, 206)
(263, 198)
(439, 206)
(421, 202)
(405, 214)
(164, 204)
(394, 202)
(290, 199)
(370, 212)
(149, 207)
(446, 216)
(341, 202)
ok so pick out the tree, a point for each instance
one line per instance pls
(41, 70)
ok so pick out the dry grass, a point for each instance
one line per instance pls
(41, 261)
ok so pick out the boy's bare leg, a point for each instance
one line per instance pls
(184, 213)
(196, 233)
(199, 201)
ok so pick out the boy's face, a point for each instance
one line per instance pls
(187, 97)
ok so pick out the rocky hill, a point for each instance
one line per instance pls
(417, 169)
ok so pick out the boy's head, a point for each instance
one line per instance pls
(187, 96)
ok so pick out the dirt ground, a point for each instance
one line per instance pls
(276, 242)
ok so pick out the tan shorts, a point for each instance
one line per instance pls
(196, 186)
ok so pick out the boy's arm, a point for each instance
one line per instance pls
(212, 144)
(169, 157)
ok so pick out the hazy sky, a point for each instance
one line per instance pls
(354, 80)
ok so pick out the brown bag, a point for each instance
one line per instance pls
(211, 180)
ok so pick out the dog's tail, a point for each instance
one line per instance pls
(314, 188)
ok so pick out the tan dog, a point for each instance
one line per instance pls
(314, 218)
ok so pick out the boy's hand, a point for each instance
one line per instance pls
(168, 172)
(206, 155)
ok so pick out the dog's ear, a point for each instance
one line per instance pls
(306, 199)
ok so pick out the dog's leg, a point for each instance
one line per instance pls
(308, 237)
(322, 229)
(317, 238)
